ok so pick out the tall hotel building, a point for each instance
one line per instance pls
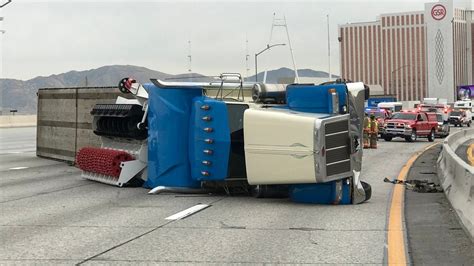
(412, 55)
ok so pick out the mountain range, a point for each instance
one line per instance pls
(21, 94)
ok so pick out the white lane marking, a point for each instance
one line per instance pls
(17, 152)
(183, 214)
(18, 168)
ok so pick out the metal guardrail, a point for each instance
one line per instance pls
(457, 179)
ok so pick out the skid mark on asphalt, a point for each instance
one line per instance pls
(136, 237)
(44, 193)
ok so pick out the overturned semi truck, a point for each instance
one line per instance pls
(299, 140)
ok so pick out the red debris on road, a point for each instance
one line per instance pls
(102, 161)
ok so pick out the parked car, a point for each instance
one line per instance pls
(460, 117)
(443, 126)
(411, 125)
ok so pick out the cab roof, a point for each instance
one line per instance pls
(415, 111)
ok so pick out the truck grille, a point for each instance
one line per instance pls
(396, 125)
(337, 147)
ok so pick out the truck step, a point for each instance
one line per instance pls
(119, 120)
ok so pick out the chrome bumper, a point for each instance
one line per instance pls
(397, 131)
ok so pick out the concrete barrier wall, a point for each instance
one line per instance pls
(64, 121)
(457, 179)
(17, 121)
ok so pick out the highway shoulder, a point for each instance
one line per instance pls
(435, 236)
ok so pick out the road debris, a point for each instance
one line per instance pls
(421, 186)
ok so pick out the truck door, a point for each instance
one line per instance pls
(424, 125)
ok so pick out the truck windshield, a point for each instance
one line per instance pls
(378, 114)
(439, 117)
(429, 109)
(455, 113)
(404, 116)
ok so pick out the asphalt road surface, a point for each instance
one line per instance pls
(435, 235)
(49, 214)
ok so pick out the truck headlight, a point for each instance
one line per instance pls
(407, 126)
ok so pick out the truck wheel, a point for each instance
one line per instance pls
(431, 136)
(469, 124)
(122, 87)
(387, 138)
(367, 190)
(412, 136)
(269, 191)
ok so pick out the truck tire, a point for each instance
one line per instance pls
(387, 138)
(269, 191)
(469, 124)
(412, 137)
(431, 136)
(447, 133)
(367, 190)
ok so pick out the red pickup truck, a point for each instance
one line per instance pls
(410, 125)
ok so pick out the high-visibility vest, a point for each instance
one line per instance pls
(373, 126)
(366, 123)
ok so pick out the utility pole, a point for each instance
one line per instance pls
(189, 58)
(247, 58)
(329, 52)
(2, 31)
(278, 22)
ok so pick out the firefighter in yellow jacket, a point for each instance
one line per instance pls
(366, 131)
(373, 132)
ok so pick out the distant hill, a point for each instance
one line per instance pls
(274, 75)
(21, 95)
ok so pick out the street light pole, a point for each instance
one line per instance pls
(391, 76)
(8, 2)
(1, 53)
(257, 54)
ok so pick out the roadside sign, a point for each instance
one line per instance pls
(438, 12)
